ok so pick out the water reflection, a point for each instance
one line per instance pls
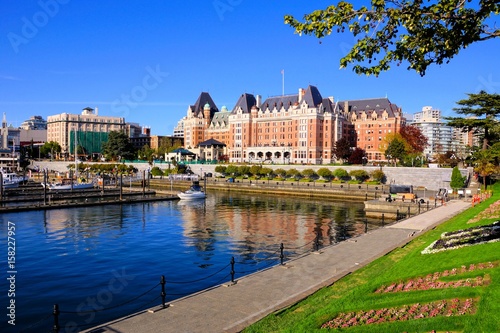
(184, 241)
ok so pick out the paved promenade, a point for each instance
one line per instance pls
(232, 308)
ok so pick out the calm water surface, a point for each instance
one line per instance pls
(103, 258)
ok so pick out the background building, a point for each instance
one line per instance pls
(439, 135)
(90, 128)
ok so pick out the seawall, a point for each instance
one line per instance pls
(430, 178)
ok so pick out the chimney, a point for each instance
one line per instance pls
(258, 100)
(301, 93)
(96, 111)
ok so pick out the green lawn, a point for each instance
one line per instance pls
(355, 296)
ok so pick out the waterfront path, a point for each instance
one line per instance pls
(230, 308)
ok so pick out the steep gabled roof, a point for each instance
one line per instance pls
(245, 102)
(311, 96)
(221, 118)
(377, 105)
(203, 99)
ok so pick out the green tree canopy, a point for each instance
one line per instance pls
(340, 173)
(118, 146)
(396, 149)
(419, 32)
(457, 180)
(325, 173)
(280, 172)
(50, 147)
(293, 173)
(487, 162)
(482, 110)
(309, 173)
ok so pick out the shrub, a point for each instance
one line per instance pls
(309, 173)
(359, 175)
(293, 173)
(280, 172)
(340, 174)
(156, 171)
(378, 176)
(325, 173)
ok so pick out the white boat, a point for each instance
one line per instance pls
(11, 178)
(195, 192)
(68, 184)
(10, 184)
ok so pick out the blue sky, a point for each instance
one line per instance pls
(148, 61)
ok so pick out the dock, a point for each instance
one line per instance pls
(30, 198)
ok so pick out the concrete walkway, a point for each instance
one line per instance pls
(232, 308)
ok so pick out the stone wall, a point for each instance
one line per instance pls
(430, 178)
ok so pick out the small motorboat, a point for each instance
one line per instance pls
(194, 192)
(68, 184)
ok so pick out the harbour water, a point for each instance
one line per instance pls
(101, 263)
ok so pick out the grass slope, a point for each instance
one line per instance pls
(356, 292)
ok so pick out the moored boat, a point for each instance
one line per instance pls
(68, 184)
(195, 192)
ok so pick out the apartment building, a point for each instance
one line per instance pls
(90, 130)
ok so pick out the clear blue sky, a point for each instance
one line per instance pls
(163, 54)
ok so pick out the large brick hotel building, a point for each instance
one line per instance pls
(299, 128)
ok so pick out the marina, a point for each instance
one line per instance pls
(70, 255)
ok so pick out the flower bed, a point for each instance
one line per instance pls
(431, 281)
(467, 237)
(491, 212)
(453, 307)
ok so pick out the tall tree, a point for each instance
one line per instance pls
(487, 162)
(416, 140)
(396, 150)
(357, 156)
(482, 110)
(118, 147)
(393, 31)
(457, 180)
(342, 149)
(50, 147)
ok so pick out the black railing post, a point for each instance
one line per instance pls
(418, 207)
(427, 204)
(409, 212)
(232, 269)
(435, 202)
(282, 256)
(121, 186)
(56, 318)
(383, 219)
(163, 293)
(397, 215)
(366, 225)
(316, 242)
(366, 196)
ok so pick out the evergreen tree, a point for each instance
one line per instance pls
(482, 110)
(457, 180)
(118, 147)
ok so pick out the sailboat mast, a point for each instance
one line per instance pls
(76, 158)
